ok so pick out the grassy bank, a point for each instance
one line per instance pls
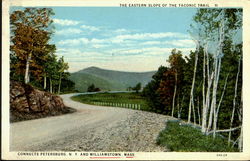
(120, 98)
(185, 138)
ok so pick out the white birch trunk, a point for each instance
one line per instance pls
(217, 67)
(26, 77)
(192, 89)
(204, 108)
(175, 88)
(178, 107)
(60, 80)
(240, 143)
(198, 110)
(234, 101)
(218, 108)
(207, 100)
(51, 86)
(45, 82)
(194, 116)
(215, 103)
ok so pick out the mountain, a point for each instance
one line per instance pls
(109, 79)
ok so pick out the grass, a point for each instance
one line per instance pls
(124, 98)
(185, 138)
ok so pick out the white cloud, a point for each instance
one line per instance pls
(65, 22)
(98, 41)
(182, 43)
(121, 31)
(177, 43)
(77, 53)
(146, 36)
(148, 59)
(73, 42)
(68, 31)
(148, 51)
(152, 43)
(97, 46)
(130, 41)
(90, 28)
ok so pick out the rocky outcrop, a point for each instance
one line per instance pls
(27, 103)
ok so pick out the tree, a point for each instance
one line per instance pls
(217, 28)
(167, 90)
(51, 70)
(62, 67)
(137, 87)
(92, 88)
(177, 64)
(150, 91)
(30, 33)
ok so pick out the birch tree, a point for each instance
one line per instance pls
(30, 32)
(218, 25)
(62, 67)
(191, 101)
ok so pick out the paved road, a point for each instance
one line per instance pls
(91, 128)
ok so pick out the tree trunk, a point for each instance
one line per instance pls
(234, 101)
(175, 88)
(194, 115)
(198, 110)
(45, 83)
(60, 80)
(217, 67)
(215, 103)
(26, 77)
(178, 107)
(204, 108)
(214, 92)
(207, 100)
(179, 114)
(240, 143)
(192, 89)
(51, 86)
(218, 108)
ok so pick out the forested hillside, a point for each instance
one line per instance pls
(109, 79)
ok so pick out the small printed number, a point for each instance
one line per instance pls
(221, 155)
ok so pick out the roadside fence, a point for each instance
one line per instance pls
(123, 105)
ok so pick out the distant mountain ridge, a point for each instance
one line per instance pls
(109, 79)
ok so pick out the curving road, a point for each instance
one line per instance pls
(91, 128)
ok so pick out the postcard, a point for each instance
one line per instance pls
(125, 80)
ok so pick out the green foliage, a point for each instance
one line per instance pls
(83, 80)
(182, 137)
(137, 87)
(150, 92)
(31, 30)
(125, 98)
(108, 79)
(92, 88)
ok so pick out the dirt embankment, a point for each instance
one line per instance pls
(28, 103)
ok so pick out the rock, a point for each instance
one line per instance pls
(27, 103)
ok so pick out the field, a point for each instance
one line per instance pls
(127, 100)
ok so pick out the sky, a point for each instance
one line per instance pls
(124, 39)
